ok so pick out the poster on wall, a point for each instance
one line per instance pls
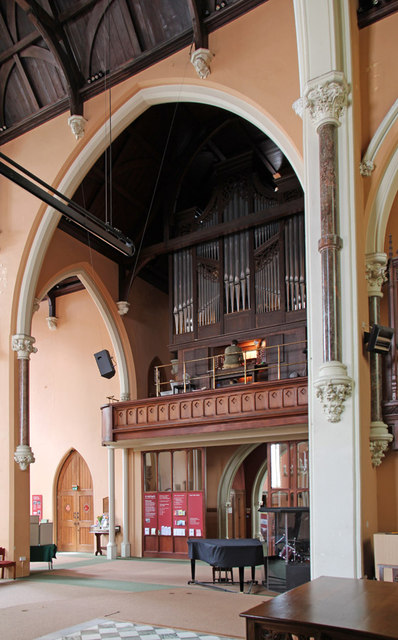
(195, 514)
(37, 505)
(164, 514)
(179, 514)
(150, 519)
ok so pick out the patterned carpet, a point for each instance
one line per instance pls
(101, 629)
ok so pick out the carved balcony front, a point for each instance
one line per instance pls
(279, 404)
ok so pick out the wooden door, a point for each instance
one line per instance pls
(238, 519)
(75, 505)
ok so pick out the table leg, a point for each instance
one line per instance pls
(98, 540)
(253, 573)
(241, 576)
(192, 569)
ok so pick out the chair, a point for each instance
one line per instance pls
(218, 577)
(6, 563)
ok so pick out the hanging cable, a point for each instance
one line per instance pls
(138, 252)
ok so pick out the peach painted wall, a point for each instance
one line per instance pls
(379, 73)
(67, 391)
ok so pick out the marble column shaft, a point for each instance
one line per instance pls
(329, 243)
(376, 366)
(23, 381)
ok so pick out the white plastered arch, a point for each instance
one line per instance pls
(107, 316)
(122, 117)
(381, 207)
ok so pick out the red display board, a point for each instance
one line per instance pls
(195, 514)
(179, 514)
(164, 513)
(150, 514)
(37, 506)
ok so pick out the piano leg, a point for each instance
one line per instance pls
(192, 570)
(241, 576)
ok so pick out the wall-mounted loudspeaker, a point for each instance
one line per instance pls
(105, 364)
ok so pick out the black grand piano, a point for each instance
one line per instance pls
(226, 554)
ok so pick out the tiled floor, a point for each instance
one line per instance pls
(111, 630)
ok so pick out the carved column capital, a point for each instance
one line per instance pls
(201, 59)
(326, 98)
(77, 125)
(379, 439)
(24, 456)
(333, 388)
(366, 168)
(23, 345)
(376, 267)
(123, 307)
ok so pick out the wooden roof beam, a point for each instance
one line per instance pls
(54, 36)
(200, 34)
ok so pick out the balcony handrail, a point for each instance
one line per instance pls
(214, 372)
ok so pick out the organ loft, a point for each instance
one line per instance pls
(238, 273)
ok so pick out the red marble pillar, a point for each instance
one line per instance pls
(23, 345)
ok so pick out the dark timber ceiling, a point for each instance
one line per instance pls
(169, 161)
(55, 54)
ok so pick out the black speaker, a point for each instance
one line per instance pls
(105, 364)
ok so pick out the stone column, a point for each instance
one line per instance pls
(125, 547)
(23, 345)
(111, 546)
(326, 100)
(380, 438)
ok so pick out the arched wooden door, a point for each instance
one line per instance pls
(74, 505)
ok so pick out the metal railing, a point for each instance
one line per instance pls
(181, 381)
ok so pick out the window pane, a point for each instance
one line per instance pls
(149, 471)
(303, 499)
(164, 471)
(195, 470)
(280, 467)
(302, 465)
(280, 499)
(179, 471)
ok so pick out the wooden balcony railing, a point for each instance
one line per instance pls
(233, 408)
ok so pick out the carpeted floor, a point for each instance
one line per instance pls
(83, 591)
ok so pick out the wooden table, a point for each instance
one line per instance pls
(328, 609)
(98, 532)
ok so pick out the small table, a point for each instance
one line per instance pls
(98, 532)
(43, 553)
(226, 554)
(330, 608)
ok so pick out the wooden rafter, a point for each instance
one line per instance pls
(54, 36)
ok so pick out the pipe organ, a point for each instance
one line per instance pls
(254, 272)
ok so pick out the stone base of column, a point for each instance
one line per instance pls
(333, 388)
(379, 439)
(125, 550)
(111, 551)
(24, 456)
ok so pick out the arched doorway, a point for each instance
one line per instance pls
(74, 505)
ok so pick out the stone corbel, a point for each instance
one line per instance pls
(77, 125)
(201, 59)
(52, 322)
(123, 307)
(366, 168)
(379, 438)
(333, 388)
(326, 98)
